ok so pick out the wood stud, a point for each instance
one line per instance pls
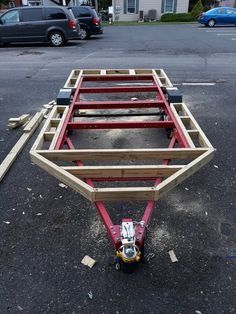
(189, 160)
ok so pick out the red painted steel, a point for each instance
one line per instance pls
(114, 78)
(117, 89)
(114, 230)
(119, 104)
(62, 136)
(180, 135)
(120, 125)
(139, 230)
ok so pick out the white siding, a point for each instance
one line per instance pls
(146, 5)
(182, 6)
(150, 4)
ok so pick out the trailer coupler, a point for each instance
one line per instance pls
(129, 253)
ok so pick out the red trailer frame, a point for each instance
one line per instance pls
(175, 117)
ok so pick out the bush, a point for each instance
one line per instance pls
(176, 17)
(197, 10)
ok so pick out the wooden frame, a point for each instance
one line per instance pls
(188, 159)
(75, 75)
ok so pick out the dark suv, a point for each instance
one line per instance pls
(88, 20)
(39, 24)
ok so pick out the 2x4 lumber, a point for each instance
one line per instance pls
(62, 175)
(19, 119)
(194, 134)
(122, 171)
(17, 148)
(48, 136)
(174, 180)
(203, 140)
(119, 104)
(124, 194)
(55, 122)
(38, 144)
(163, 74)
(35, 121)
(120, 125)
(122, 154)
(182, 126)
(154, 73)
(73, 79)
(117, 89)
(62, 120)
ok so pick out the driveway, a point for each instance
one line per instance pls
(51, 228)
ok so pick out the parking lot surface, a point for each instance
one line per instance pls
(50, 229)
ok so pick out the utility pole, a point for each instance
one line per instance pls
(96, 5)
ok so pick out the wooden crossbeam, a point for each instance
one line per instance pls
(124, 194)
(122, 171)
(122, 154)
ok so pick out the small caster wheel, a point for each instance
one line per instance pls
(117, 266)
(117, 263)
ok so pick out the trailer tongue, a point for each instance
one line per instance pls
(145, 173)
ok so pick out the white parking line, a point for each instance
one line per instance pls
(196, 84)
(222, 31)
(225, 34)
(214, 29)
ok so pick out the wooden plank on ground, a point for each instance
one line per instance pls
(35, 121)
(17, 148)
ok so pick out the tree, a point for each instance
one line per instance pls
(4, 2)
(197, 9)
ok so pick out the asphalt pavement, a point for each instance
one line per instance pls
(46, 230)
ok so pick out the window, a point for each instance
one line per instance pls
(131, 6)
(55, 14)
(11, 17)
(169, 6)
(83, 12)
(32, 15)
(221, 11)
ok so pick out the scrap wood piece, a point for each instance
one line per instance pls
(16, 122)
(17, 148)
(88, 261)
(35, 121)
(173, 256)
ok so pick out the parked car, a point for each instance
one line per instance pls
(2, 11)
(39, 24)
(220, 15)
(89, 21)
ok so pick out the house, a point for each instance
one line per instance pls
(134, 10)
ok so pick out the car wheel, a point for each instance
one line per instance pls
(211, 23)
(56, 39)
(84, 33)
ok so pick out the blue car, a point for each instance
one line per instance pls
(220, 15)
